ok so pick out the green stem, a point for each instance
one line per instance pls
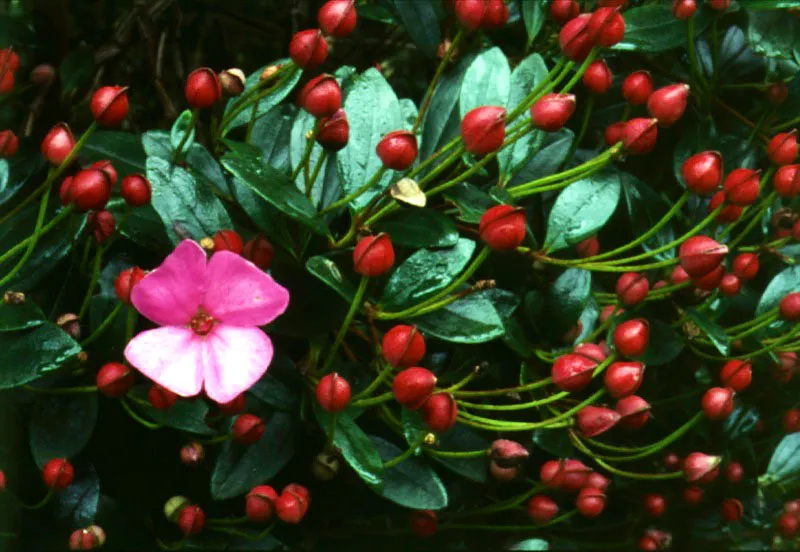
(599, 161)
(103, 326)
(37, 231)
(587, 113)
(98, 258)
(358, 193)
(439, 72)
(495, 392)
(177, 154)
(47, 227)
(354, 307)
(135, 416)
(581, 70)
(507, 528)
(374, 384)
(548, 82)
(694, 68)
(406, 454)
(303, 164)
(457, 454)
(315, 173)
(61, 390)
(256, 95)
(362, 403)
(252, 123)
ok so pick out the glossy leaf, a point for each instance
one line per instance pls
(421, 23)
(20, 317)
(567, 298)
(713, 331)
(772, 34)
(420, 228)
(26, 355)
(123, 149)
(534, 14)
(462, 438)
(785, 462)
(358, 450)
(61, 425)
(78, 503)
(486, 82)
(645, 209)
(326, 269)
(186, 415)
(272, 134)
(531, 544)
(787, 281)
(555, 442)
(470, 201)
(412, 483)
(665, 344)
(472, 319)
(652, 28)
(326, 188)
(273, 98)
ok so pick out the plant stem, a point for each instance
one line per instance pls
(354, 307)
(358, 193)
(103, 326)
(406, 454)
(37, 231)
(439, 72)
(177, 154)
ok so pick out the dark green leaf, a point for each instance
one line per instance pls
(470, 201)
(239, 468)
(412, 483)
(123, 149)
(787, 281)
(272, 135)
(534, 14)
(177, 136)
(424, 273)
(505, 302)
(567, 299)
(186, 415)
(531, 544)
(582, 209)
(421, 23)
(20, 317)
(548, 157)
(714, 331)
(78, 503)
(326, 187)
(27, 354)
(653, 28)
(773, 34)
(420, 228)
(472, 319)
(665, 344)
(373, 111)
(785, 462)
(356, 447)
(324, 268)
(275, 97)
(646, 208)
(61, 425)
(734, 149)
(462, 439)
(555, 442)
(202, 164)
(76, 70)
(273, 392)
(740, 422)
(487, 81)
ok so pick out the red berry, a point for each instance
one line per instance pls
(161, 398)
(737, 374)
(87, 539)
(398, 150)
(637, 87)
(424, 523)
(746, 266)
(470, 13)
(247, 429)
(710, 281)
(191, 520)
(729, 213)
(701, 468)
(791, 420)
(591, 502)
(609, 311)
(632, 337)
(136, 190)
(413, 386)
(667, 104)
(576, 474)
(259, 251)
(338, 18)
(787, 180)
(742, 186)
(502, 227)
(496, 15)
(597, 78)
(260, 503)
(730, 285)
(720, 5)
(109, 105)
(788, 524)
(595, 420)
(403, 346)
(717, 403)
(572, 372)
(9, 60)
(552, 111)
(9, 144)
(2, 481)
(734, 472)
(234, 406)
(796, 231)
(655, 504)
(693, 495)
(321, 96)
(551, 474)
(634, 412)
(640, 135)
(293, 503)
(506, 459)
(597, 481)
(483, 129)
(777, 93)
(334, 131)
(786, 367)
(632, 288)
(114, 380)
(702, 172)
(683, 9)
(590, 351)
(732, 509)
(43, 75)
(439, 412)
(228, 240)
(203, 88)
(125, 282)
(672, 461)
(606, 27)
(782, 148)
(58, 474)
(308, 49)
(90, 189)
(574, 38)
(373, 255)
(7, 79)
(333, 393)
(564, 10)
(614, 133)
(790, 307)
(102, 224)
(700, 255)
(107, 167)
(542, 509)
(588, 247)
(623, 378)
(58, 144)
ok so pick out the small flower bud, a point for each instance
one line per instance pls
(2, 481)
(234, 406)
(321, 96)
(325, 466)
(730, 285)
(574, 39)
(496, 15)
(338, 18)
(700, 255)
(782, 148)
(109, 105)
(373, 255)
(640, 135)
(9, 144)
(232, 81)
(595, 420)
(90, 189)
(737, 374)
(228, 240)
(777, 93)
(693, 495)
(439, 412)
(259, 251)
(597, 78)
(614, 133)
(413, 386)
(470, 13)
(683, 9)
(552, 111)
(203, 88)
(506, 459)
(734, 472)
(562, 11)
(702, 172)
(58, 474)
(606, 26)
(260, 503)
(247, 429)
(717, 403)
(729, 212)
(87, 539)
(787, 180)
(7, 80)
(308, 49)
(701, 468)
(632, 337)
(114, 380)
(9, 60)
(732, 509)
(136, 190)
(634, 412)
(788, 524)
(58, 144)
(173, 507)
(742, 186)
(424, 523)
(790, 307)
(191, 520)
(667, 104)
(192, 454)
(398, 150)
(125, 282)
(654, 504)
(709, 281)
(102, 224)
(161, 398)
(591, 502)
(632, 288)
(43, 75)
(576, 474)
(403, 346)
(70, 324)
(333, 393)
(502, 227)
(637, 87)
(573, 372)
(588, 247)
(542, 509)
(293, 503)
(483, 129)
(269, 72)
(334, 131)
(623, 378)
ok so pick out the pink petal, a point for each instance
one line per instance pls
(170, 295)
(240, 294)
(235, 359)
(170, 356)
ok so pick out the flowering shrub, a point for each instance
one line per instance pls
(529, 283)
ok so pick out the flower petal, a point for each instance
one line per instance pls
(240, 294)
(170, 295)
(236, 358)
(170, 356)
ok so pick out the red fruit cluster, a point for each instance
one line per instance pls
(481, 14)
(604, 27)
(9, 65)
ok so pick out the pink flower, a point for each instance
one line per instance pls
(210, 313)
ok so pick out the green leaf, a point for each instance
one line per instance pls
(487, 81)
(531, 544)
(245, 162)
(773, 34)
(421, 23)
(653, 28)
(567, 298)
(184, 206)
(646, 208)
(373, 111)
(534, 14)
(61, 425)
(326, 187)
(472, 319)
(463, 438)
(714, 331)
(785, 282)
(555, 442)
(20, 317)
(178, 133)
(326, 269)
(548, 156)
(186, 415)
(665, 344)
(273, 392)
(412, 483)
(16, 172)
(275, 97)
(272, 135)
(582, 209)
(740, 422)
(424, 273)
(239, 468)
(358, 451)
(785, 462)
(470, 201)
(77, 69)
(26, 355)
(123, 149)
(420, 228)
(768, 4)
(78, 503)
(702, 137)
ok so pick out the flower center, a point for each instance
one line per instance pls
(202, 323)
